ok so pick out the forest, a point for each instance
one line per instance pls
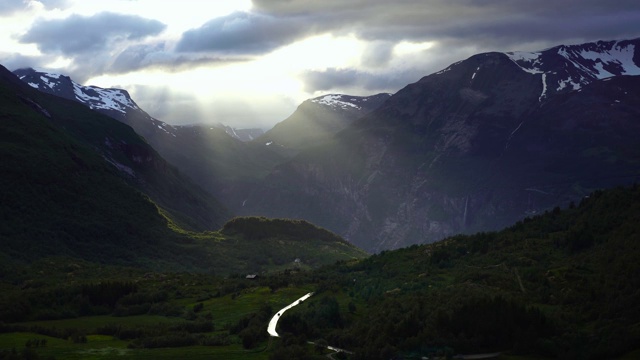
(562, 284)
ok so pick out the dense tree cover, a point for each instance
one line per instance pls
(561, 284)
(258, 228)
(252, 328)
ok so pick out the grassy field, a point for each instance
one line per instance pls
(224, 312)
(107, 347)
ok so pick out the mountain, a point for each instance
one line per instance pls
(225, 161)
(151, 172)
(79, 185)
(242, 134)
(476, 146)
(116, 103)
(216, 157)
(315, 120)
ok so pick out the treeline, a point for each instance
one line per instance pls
(562, 284)
(252, 328)
(259, 228)
(119, 298)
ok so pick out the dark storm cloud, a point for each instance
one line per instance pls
(333, 79)
(387, 79)
(498, 23)
(245, 33)
(81, 35)
(458, 29)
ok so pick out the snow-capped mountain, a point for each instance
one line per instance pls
(573, 66)
(94, 97)
(570, 67)
(116, 103)
(474, 147)
(212, 155)
(316, 119)
(350, 102)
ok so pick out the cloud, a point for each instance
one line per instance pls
(244, 33)
(156, 55)
(498, 23)
(399, 71)
(378, 53)
(55, 4)
(10, 6)
(170, 105)
(349, 80)
(183, 108)
(13, 61)
(77, 35)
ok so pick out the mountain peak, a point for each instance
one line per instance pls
(318, 118)
(346, 102)
(94, 97)
(570, 67)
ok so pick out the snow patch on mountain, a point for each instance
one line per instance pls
(335, 101)
(242, 134)
(570, 67)
(527, 61)
(564, 83)
(474, 74)
(448, 68)
(46, 81)
(99, 98)
(544, 87)
(618, 55)
(92, 96)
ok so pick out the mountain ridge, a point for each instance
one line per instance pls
(316, 119)
(442, 155)
(79, 185)
(226, 162)
(456, 151)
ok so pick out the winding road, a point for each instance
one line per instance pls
(271, 329)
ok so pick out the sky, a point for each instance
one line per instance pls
(250, 63)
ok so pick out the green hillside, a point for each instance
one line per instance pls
(59, 196)
(80, 185)
(560, 285)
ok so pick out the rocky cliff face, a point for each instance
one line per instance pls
(476, 146)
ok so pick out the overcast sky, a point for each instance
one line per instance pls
(251, 63)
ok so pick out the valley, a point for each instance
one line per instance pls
(542, 288)
(491, 207)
